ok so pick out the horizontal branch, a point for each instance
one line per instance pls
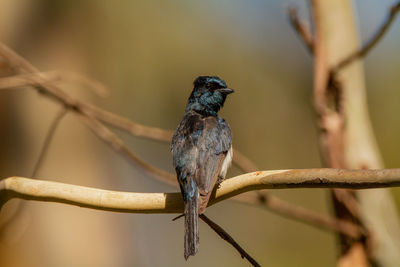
(30, 189)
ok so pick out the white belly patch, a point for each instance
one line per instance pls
(227, 162)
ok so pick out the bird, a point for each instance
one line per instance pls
(202, 152)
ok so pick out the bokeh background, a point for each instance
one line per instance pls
(148, 53)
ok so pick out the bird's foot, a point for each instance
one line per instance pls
(219, 181)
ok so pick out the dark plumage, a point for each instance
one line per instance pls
(202, 151)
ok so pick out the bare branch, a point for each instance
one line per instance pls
(47, 140)
(29, 79)
(301, 28)
(109, 137)
(349, 200)
(394, 10)
(225, 236)
(16, 213)
(303, 215)
(32, 189)
(88, 82)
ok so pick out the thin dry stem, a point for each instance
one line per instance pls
(303, 215)
(116, 143)
(225, 236)
(49, 136)
(301, 28)
(366, 48)
(30, 79)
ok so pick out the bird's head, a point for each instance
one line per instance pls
(209, 94)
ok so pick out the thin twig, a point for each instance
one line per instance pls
(394, 10)
(348, 199)
(68, 76)
(17, 211)
(30, 79)
(243, 162)
(301, 28)
(116, 143)
(43, 152)
(303, 215)
(225, 236)
(49, 136)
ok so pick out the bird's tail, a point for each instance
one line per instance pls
(191, 225)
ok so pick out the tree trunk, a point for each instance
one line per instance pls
(347, 138)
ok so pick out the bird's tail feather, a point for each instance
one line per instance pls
(191, 225)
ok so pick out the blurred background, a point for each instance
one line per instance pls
(148, 53)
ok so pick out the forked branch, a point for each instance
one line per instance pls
(364, 50)
(304, 32)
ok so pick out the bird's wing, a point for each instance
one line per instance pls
(185, 151)
(213, 146)
(199, 147)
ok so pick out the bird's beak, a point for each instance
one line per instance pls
(226, 91)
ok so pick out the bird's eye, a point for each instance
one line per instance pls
(208, 85)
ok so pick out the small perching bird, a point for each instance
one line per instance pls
(202, 152)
